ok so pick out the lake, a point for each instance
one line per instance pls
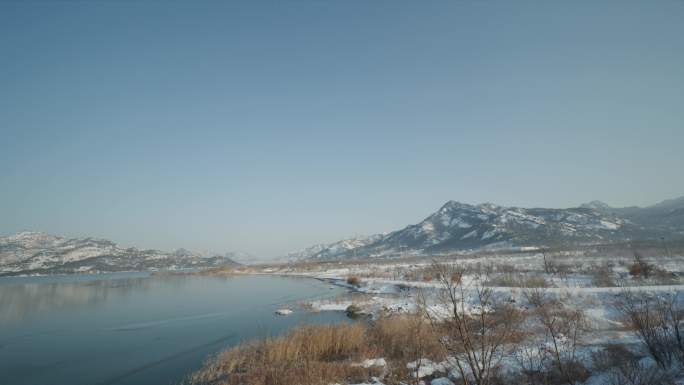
(134, 328)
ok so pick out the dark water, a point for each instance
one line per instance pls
(137, 329)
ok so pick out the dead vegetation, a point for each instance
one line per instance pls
(517, 280)
(309, 355)
(561, 331)
(657, 322)
(477, 329)
(313, 355)
(354, 281)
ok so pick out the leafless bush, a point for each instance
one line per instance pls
(533, 362)
(476, 328)
(560, 269)
(539, 368)
(640, 268)
(354, 281)
(656, 320)
(644, 270)
(633, 372)
(563, 329)
(610, 357)
(602, 275)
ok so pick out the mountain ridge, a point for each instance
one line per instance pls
(459, 226)
(32, 252)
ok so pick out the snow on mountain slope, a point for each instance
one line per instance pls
(333, 250)
(40, 253)
(459, 226)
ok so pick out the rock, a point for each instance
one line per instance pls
(354, 311)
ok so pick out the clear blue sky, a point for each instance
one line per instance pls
(269, 126)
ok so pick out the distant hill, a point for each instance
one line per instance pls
(459, 226)
(333, 250)
(39, 253)
(666, 216)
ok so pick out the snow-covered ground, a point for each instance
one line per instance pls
(587, 283)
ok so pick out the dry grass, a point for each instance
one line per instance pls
(517, 280)
(308, 355)
(314, 355)
(403, 339)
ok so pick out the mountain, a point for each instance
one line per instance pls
(666, 216)
(242, 257)
(460, 226)
(333, 250)
(39, 253)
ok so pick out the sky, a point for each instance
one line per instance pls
(267, 127)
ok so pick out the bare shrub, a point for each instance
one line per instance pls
(547, 268)
(640, 269)
(610, 357)
(476, 328)
(633, 372)
(602, 275)
(560, 269)
(420, 273)
(656, 320)
(563, 329)
(354, 281)
(533, 362)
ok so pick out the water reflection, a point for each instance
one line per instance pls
(21, 301)
(131, 329)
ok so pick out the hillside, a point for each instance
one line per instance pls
(40, 253)
(460, 226)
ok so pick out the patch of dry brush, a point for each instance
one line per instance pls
(307, 355)
(312, 355)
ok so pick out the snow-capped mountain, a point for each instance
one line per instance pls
(39, 253)
(335, 249)
(460, 226)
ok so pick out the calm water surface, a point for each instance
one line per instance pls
(137, 329)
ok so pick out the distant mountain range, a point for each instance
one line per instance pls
(335, 249)
(40, 253)
(454, 227)
(459, 226)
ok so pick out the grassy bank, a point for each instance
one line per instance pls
(312, 355)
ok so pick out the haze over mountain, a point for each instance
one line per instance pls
(459, 226)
